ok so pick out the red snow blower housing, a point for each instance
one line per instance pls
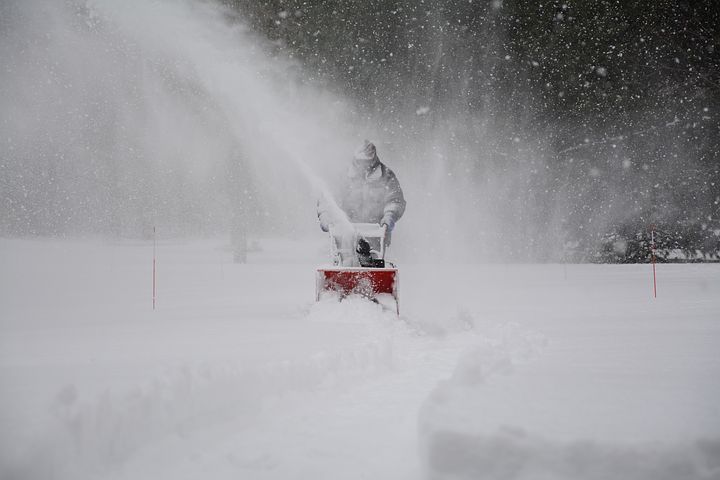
(359, 265)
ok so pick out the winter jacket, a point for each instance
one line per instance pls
(368, 196)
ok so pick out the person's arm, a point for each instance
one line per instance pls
(394, 202)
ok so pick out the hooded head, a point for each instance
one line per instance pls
(365, 156)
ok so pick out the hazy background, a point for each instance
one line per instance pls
(520, 131)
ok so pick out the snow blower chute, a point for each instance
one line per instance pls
(359, 265)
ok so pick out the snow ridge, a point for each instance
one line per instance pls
(511, 453)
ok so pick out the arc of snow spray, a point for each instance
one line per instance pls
(320, 185)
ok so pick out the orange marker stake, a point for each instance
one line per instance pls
(652, 256)
(153, 268)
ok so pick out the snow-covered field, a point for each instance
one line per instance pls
(492, 371)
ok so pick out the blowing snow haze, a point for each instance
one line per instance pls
(520, 131)
(136, 136)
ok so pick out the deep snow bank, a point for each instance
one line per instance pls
(625, 388)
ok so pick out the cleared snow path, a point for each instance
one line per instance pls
(359, 424)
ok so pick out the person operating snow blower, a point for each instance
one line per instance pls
(360, 227)
(371, 194)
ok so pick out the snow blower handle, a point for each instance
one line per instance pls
(382, 240)
(345, 248)
(372, 230)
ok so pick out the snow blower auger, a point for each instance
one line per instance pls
(359, 265)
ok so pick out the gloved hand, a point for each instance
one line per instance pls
(389, 221)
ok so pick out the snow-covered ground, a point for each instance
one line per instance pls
(492, 371)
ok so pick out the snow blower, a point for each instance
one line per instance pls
(359, 265)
